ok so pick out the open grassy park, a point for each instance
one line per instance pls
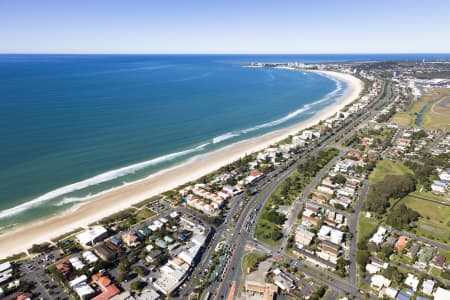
(434, 210)
(435, 116)
(434, 222)
(387, 167)
(366, 227)
(438, 115)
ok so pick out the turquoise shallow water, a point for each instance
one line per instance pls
(73, 126)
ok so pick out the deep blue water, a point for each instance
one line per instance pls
(65, 119)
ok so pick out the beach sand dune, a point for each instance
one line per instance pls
(21, 238)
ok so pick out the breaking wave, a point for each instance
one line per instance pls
(306, 107)
(101, 178)
(224, 137)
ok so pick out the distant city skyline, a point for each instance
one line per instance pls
(225, 27)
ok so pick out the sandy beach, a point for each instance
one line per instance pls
(21, 238)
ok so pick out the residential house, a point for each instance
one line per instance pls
(439, 186)
(401, 243)
(303, 237)
(378, 262)
(152, 255)
(439, 261)
(372, 269)
(92, 235)
(308, 217)
(412, 281)
(427, 287)
(378, 237)
(299, 141)
(130, 239)
(391, 241)
(313, 207)
(445, 175)
(76, 263)
(325, 190)
(105, 252)
(283, 281)
(413, 250)
(6, 272)
(425, 256)
(314, 259)
(378, 282)
(403, 296)
(64, 268)
(441, 294)
(330, 250)
(81, 288)
(391, 292)
(342, 201)
(319, 197)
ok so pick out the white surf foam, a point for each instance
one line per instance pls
(104, 177)
(70, 200)
(279, 121)
(306, 107)
(224, 137)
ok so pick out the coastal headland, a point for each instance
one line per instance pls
(21, 238)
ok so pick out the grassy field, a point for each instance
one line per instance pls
(408, 118)
(144, 214)
(403, 119)
(435, 219)
(387, 167)
(433, 118)
(263, 231)
(431, 196)
(251, 260)
(438, 115)
(366, 226)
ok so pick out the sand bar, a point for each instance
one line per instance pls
(22, 237)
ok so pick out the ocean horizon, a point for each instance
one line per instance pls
(74, 126)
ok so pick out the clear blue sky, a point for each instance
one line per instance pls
(228, 26)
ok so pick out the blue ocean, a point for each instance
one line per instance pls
(72, 126)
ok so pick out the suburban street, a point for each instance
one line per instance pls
(353, 225)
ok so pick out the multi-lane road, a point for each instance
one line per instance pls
(242, 233)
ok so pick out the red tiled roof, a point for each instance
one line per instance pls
(96, 277)
(24, 296)
(110, 292)
(401, 243)
(101, 280)
(104, 281)
(64, 267)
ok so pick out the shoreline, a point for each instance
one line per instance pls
(21, 238)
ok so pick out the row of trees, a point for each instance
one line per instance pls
(402, 217)
(422, 172)
(392, 186)
(316, 163)
(385, 117)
